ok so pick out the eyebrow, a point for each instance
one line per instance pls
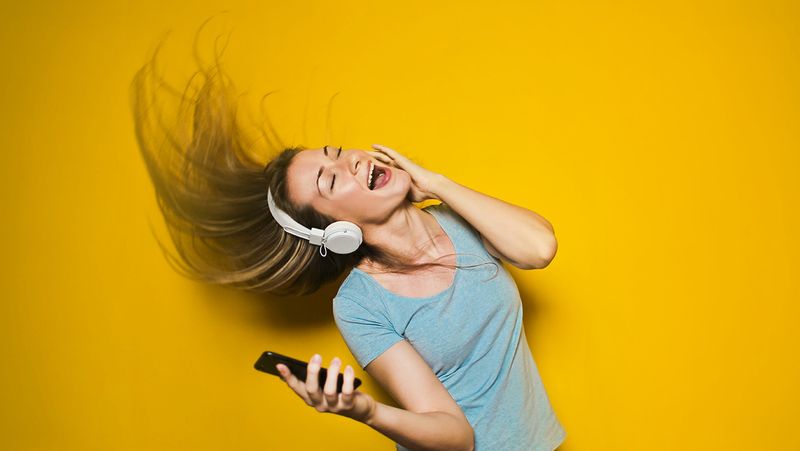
(319, 173)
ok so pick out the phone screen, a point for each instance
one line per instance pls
(269, 359)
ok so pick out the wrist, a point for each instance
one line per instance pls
(369, 418)
(438, 185)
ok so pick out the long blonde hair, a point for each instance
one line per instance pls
(211, 189)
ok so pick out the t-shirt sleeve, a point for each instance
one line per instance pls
(367, 333)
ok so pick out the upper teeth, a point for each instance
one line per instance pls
(371, 170)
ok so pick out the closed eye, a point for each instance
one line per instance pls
(338, 154)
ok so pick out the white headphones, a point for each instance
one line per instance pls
(342, 237)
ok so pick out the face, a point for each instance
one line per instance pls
(335, 183)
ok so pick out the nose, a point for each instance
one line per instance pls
(353, 164)
(356, 163)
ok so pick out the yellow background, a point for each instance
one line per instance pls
(660, 139)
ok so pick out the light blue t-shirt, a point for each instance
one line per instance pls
(470, 334)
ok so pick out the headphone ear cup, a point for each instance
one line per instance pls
(343, 237)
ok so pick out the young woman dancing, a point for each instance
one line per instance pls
(427, 308)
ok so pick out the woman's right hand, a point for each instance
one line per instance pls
(350, 403)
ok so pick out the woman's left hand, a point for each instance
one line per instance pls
(423, 181)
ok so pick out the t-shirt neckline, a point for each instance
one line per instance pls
(449, 234)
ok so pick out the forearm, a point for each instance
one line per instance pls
(421, 431)
(520, 234)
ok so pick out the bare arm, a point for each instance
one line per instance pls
(522, 237)
(429, 420)
(433, 420)
(421, 431)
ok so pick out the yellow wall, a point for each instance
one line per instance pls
(660, 139)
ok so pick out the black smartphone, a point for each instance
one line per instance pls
(269, 359)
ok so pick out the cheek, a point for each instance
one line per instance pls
(400, 179)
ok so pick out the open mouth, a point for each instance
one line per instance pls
(378, 177)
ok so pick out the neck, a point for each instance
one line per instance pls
(409, 233)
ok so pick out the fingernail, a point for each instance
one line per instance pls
(317, 358)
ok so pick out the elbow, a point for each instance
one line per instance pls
(547, 255)
(470, 445)
(539, 257)
(467, 436)
(545, 261)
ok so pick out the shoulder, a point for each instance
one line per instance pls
(354, 285)
(440, 209)
(445, 213)
(357, 295)
(460, 229)
(363, 322)
(360, 286)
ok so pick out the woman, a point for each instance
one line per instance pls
(418, 309)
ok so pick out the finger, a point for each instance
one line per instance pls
(293, 382)
(381, 156)
(347, 387)
(399, 159)
(386, 159)
(331, 395)
(312, 378)
(387, 150)
(286, 375)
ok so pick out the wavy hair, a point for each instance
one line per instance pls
(211, 185)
